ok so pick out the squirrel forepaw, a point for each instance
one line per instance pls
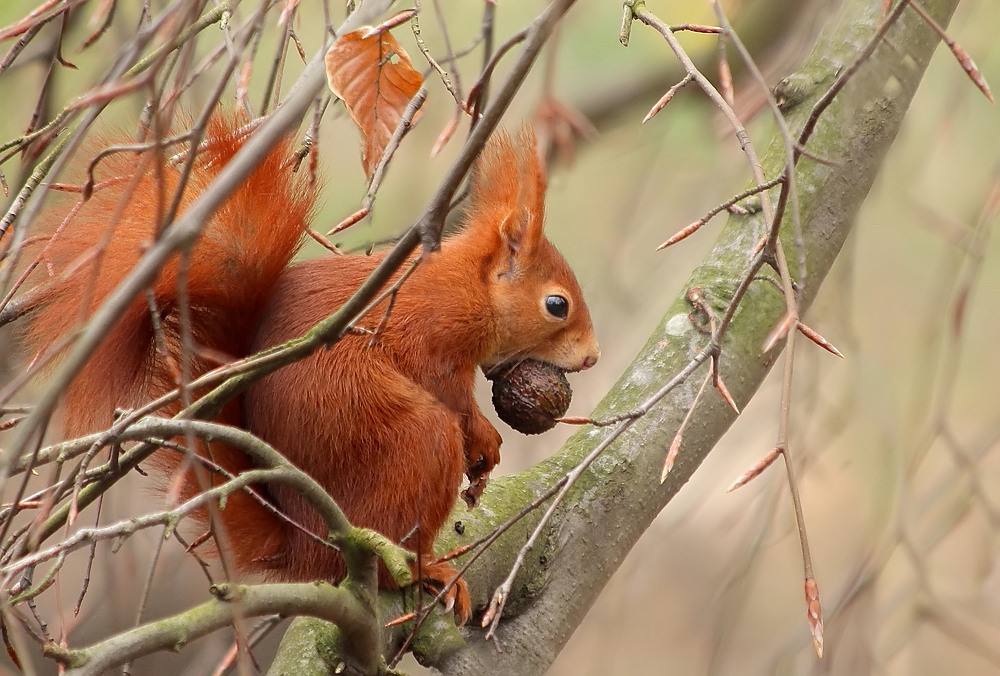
(475, 489)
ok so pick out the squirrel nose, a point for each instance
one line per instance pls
(590, 360)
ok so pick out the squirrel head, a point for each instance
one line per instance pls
(539, 309)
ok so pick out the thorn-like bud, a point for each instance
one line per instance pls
(684, 233)
(724, 391)
(349, 221)
(756, 470)
(780, 331)
(668, 462)
(665, 99)
(814, 613)
(815, 337)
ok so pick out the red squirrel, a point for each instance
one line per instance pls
(386, 422)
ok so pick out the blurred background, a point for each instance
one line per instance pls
(898, 445)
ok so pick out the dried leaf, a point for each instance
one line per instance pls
(373, 75)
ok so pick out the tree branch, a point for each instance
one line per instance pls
(620, 496)
(318, 599)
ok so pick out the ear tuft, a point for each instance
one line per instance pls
(532, 178)
(508, 189)
(494, 175)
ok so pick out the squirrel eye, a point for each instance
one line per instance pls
(557, 306)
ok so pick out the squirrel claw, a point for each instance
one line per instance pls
(457, 599)
(471, 494)
(436, 575)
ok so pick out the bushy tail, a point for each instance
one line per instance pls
(224, 283)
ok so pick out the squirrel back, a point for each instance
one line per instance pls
(385, 418)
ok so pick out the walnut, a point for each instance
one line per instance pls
(530, 395)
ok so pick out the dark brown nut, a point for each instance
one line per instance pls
(530, 395)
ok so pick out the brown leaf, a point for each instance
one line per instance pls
(373, 75)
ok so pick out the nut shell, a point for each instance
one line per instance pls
(530, 395)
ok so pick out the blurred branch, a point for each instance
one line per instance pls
(757, 23)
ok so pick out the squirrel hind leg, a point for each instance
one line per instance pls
(436, 575)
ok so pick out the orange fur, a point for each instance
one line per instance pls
(387, 425)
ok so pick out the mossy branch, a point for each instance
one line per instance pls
(617, 499)
(320, 599)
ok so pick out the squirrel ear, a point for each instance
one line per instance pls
(521, 229)
(508, 190)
